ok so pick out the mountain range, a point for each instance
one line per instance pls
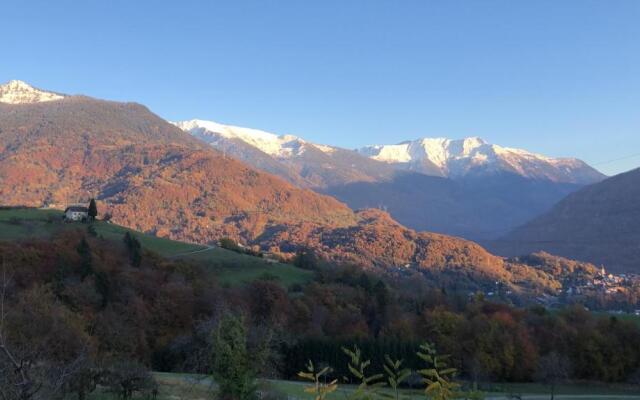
(473, 156)
(466, 188)
(57, 149)
(300, 162)
(151, 176)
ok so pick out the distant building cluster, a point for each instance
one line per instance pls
(603, 282)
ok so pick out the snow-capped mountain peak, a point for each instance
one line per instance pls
(19, 92)
(279, 146)
(431, 156)
(457, 158)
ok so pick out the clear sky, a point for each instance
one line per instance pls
(557, 77)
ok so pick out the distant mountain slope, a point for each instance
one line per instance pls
(471, 207)
(473, 157)
(599, 223)
(492, 190)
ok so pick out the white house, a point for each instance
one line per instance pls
(76, 213)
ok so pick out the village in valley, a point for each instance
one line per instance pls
(597, 289)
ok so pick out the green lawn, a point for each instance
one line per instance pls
(622, 317)
(235, 269)
(25, 223)
(191, 387)
(582, 389)
(229, 267)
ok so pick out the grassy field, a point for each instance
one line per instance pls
(502, 391)
(622, 317)
(235, 269)
(25, 223)
(229, 267)
(192, 387)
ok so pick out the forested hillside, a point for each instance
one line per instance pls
(90, 304)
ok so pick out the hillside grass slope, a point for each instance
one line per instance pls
(229, 267)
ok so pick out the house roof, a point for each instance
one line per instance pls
(76, 208)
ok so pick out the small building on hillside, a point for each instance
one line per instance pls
(76, 213)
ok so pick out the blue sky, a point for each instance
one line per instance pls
(556, 77)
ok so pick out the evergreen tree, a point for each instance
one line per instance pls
(232, 364)
(59, 278)
(134, 248)
(382, 295)
(365, 283)
(93, 210)
(103, 286)
(86, 262)
(229, 244)
(306, 259)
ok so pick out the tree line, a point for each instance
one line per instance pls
(77, 308)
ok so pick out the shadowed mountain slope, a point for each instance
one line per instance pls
(473, 208)
(599, 223)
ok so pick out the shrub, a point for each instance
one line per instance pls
(229, 244)
(127, 378)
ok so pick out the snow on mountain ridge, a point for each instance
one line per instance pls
(431, 156)
(281, 146)
(439, 150)
(19, 92)
(457, 158)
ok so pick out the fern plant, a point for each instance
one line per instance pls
(318, 389)
(395, 376)
(368, 385)
(438, 376)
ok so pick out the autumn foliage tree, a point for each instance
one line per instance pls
(552, 369)
(162, 312)
(43, 345)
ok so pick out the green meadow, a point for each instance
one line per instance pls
(229, 267)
